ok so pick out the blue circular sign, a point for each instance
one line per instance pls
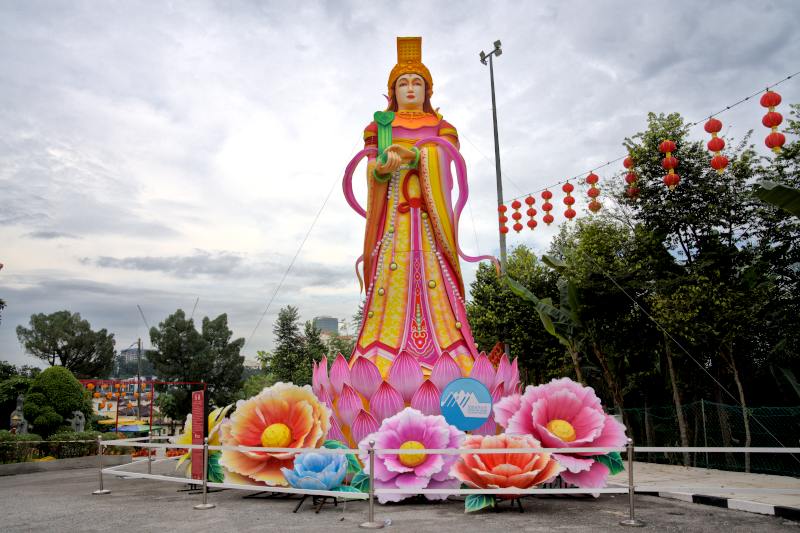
(466, 404)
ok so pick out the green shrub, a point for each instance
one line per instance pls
(59, 447)
(18, 448)
(53, 396)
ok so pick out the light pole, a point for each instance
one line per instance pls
(484, 56)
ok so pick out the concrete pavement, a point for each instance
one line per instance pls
(62, 501)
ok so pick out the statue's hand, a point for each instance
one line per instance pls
(393, 162)
(405, 154)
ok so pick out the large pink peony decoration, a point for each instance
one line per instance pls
(281, 416)
(504, 470)
(564, 414)
(360, 397)
(412, 430)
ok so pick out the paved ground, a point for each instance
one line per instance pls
(656, 475)
(62, 501)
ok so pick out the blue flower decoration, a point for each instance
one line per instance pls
(316, 471)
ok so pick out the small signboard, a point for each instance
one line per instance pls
(198, 432)
(466, 404)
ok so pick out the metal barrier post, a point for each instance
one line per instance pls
(149, 452)
(205, 504)
(631, 520)
(371, 523)
(101, 490)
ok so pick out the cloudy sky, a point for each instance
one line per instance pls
(154, 153)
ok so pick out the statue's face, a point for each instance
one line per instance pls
(409, 90)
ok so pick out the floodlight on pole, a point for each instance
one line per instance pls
(496, 52)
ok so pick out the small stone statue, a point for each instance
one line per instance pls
(78, 421)
(19, 425)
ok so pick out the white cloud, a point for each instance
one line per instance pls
(140, 134)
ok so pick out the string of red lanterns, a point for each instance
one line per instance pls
(772, 120)
(631, 178)
(716, 144)
(569, 200)
(531, 212)
(502, 218)
(516, 215)
(547, 207)
(669, 163)
(593, 192)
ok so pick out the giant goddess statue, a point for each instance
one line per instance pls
(414, 337)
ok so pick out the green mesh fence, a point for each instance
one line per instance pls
(713, 425)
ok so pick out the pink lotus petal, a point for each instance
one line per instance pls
(340, 374)
(324, 398)
(444, 371)
(426, 399)
(405, 375)
(503, 370)
(483, 371)
(365, 377)
(506, 408)
(349, 404)
(488, 428)
(513, 380)
(498, 392)
(385, 402)
(363, 425)
(315, 386)
(319, 376)
(335, 432)
(593, 478)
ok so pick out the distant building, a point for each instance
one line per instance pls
(130, 355)
(253, 364)
(326, 324)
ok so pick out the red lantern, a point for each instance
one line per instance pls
(116, 385)
(96, 395)
(149, 395)
(135, 395)
(718, 162)
(772, 120)
(594, 206)
(531, 212)
(90, 386)
(628, 162)
(669, 163)
(109, 395)
(547, 207)
(632, 192)
(502, 218)
(101, 405)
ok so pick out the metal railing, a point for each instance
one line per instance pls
(630, 488)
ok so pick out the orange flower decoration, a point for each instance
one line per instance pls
(281, 416)
(504, 470)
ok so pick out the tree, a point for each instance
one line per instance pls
(340, 344)
(284, 359)
(64, 337)
(52, 398)
(255, 384)
(497, 314)
(184, 354)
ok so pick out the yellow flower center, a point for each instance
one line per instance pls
(412, 459)
(276, 436)
(561, 429)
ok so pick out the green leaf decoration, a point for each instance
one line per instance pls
(613, 461)
(347, 488)
(360, 482)
(476, 502)
(353, 466)
(787, 198)
(215, 472)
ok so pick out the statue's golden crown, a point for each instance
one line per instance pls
(409, 61)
